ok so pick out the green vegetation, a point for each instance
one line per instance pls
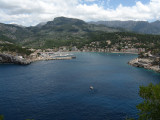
(60, 31)
(1, 117)
(149, 109)
(8, 45)
(136, 26)
(74, 32)
(121, 39)
(4, 38)
(14, 48)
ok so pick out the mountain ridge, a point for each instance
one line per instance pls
(64, 31)
(59, 29)
(144, 27)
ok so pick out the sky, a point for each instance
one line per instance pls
(32, 12)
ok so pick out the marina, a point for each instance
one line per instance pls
(51, 56)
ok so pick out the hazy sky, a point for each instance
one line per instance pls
(31, 12)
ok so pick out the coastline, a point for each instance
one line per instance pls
(145, 63)
(72, 57)
(105, 52)
(46, 59)
(125, 53)
(45, 56)
(8, 58)
(138, 62)
(12, 59)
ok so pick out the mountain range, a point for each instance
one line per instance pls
(59, 30)
(144, 27)
(64, 31)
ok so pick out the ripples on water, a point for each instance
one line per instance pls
(59, 90)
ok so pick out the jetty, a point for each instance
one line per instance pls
(40, 56)
(51, 56)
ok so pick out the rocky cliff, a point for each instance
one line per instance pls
(146, 63)
(6, 58)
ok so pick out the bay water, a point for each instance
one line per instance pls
(60, 89)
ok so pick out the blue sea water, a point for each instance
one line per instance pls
(59, 90)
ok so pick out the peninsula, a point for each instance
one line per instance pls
(147, 61)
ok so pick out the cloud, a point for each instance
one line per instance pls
(31, 12)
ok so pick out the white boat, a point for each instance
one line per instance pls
(91, 87)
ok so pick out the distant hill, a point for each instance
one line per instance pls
(59, 30)
(135, 26)
(71, 25)
(14, 32)
(41, 24)
(64, 31)
(8, 45)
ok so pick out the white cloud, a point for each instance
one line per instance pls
(31, 12)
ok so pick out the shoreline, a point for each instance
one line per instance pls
(126, 53)
(47, 59)
(103, 52)
(12, 59)
(69, 58)
(145, 63)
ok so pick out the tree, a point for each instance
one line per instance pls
(1, 117)
(119, 48)
(149, 109)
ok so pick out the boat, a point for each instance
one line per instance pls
(73, 57)
(91, 87)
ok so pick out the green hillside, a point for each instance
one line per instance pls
(74, 32)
